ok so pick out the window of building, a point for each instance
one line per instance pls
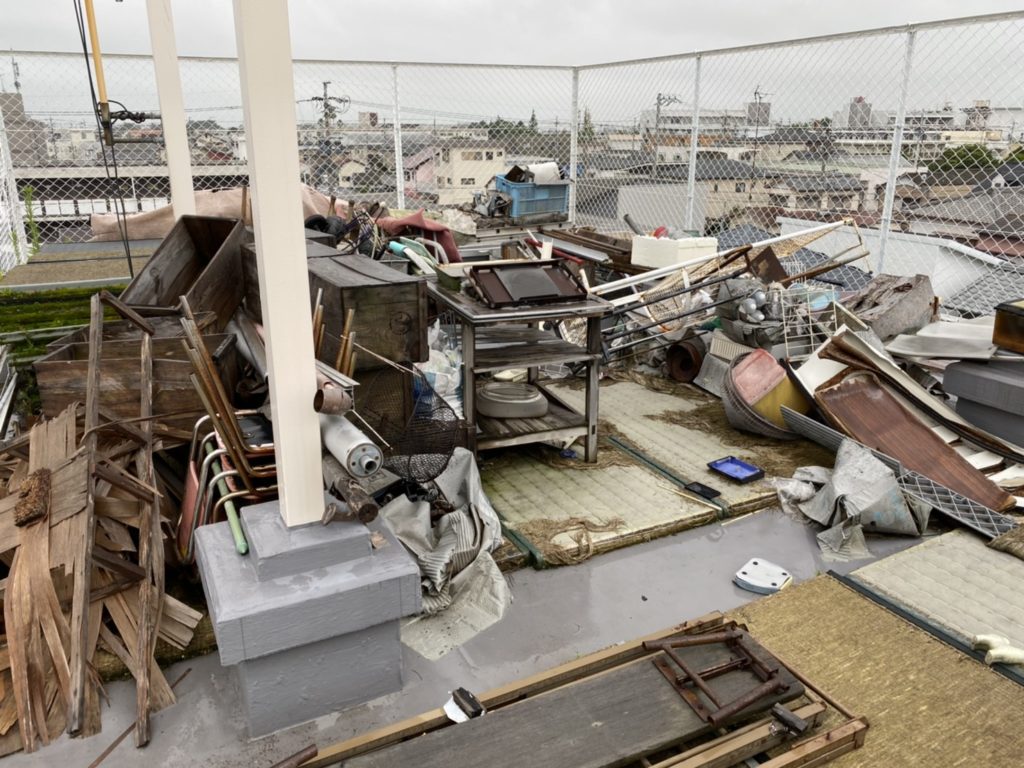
(470, 156)
(467, 182)
(715, 189)
(440, 181)
(741, 186)
(445, 156)
(500, 153)
(449, 179)
(489, 155)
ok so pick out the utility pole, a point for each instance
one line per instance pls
(663, 98)
(758, 95)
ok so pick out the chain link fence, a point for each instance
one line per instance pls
(912, 134)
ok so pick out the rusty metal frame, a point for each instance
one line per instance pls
(744, 659)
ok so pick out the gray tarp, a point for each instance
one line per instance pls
(464, 592)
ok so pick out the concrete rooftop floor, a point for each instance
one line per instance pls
(556, 615)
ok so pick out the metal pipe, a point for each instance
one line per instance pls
(737, 705)
(332, 400)
(399, 160)
(353, 450)
(691, 171)
(97, 60)
(894, 154)
(671, 269)
(574, 143)
(631, 223)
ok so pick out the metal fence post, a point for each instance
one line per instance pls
(894, 155)
(399, 164)
(691, 171)
(10, 209)
(574, 142)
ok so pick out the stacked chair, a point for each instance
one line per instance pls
(231, 457)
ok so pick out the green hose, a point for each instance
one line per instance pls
(241, 545)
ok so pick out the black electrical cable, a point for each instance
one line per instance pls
(120, 214)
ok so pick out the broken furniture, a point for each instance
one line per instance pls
(500, 339)
(200, 259)
(391, 308)
(658, 701)
(302, 652)
(71, 492)
(1008, 331)
(62, 376)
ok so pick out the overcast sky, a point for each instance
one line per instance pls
(511, 31)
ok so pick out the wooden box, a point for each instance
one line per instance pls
(200, 259)
(62, 375)
(390, 309)
(251, 276)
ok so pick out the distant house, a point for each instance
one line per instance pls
(817, 192)
(26, 137)
(722, 188)
(348, 169)
(973, 216)
(463, 167)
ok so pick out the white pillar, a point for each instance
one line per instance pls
(172, 105)
(268, 100)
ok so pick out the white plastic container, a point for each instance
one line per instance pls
(655, 252)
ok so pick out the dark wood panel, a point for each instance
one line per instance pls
(604, 721)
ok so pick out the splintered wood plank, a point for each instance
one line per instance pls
(83, 565)
(149, 549)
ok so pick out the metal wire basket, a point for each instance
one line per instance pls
(416, 428)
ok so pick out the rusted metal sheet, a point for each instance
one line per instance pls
(858, 404)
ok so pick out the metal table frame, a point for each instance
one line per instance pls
(475, 316)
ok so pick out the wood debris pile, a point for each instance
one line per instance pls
(82, 521)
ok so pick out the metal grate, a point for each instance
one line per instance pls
(969, 513)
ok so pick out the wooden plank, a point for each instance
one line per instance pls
(512, 692)
(127, 313)
(83, 565)
(743, 743)
(606, 720)
(150, 547)
(824, 748)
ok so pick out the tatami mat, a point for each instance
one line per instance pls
(928, 704)
(685, 430)
(956, 582)
(621, 502)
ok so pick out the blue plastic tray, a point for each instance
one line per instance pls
(736, 469)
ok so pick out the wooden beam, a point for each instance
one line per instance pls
(743, 743)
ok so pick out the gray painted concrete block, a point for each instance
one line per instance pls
(254, 618)
(312, 680)
(277, 550)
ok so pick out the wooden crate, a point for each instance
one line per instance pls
(62, 376)
(390, 309)
(200, 259)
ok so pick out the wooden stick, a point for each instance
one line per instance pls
(245, 201)
(124, 734)
(344, 344)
